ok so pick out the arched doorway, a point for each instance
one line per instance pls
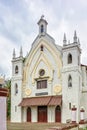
(42, 113)
(28, 114)
(58, 114)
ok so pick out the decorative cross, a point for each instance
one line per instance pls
(42, 16)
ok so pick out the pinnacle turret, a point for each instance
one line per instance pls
(21, 52)
(75, 37)
(78, 41)
(14, 55)
(64, 39)
(42, 26)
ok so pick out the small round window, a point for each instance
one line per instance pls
(42, 72)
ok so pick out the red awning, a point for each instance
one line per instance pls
(42, 101)
(56, 100)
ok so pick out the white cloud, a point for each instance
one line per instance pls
(18, 25)
(6, 49)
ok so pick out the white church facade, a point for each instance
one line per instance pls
(48, 81)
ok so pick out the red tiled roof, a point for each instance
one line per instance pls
(3, 92)
(41, 101)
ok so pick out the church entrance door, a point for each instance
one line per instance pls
(28, 114)
(42, 113)
(58, 114)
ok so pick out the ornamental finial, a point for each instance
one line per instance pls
(75, 37)
(42, 16)
(64, 39)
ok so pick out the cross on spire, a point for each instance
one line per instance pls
(42, 16)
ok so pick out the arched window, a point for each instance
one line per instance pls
(41, 48)
(42, 28)
(16, 69)
(16, 89)
(78, 60)
(58, 108)
(69, 58)
(69, 81)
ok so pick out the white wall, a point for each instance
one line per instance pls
(70, 95)
(49, 72)
(16, 110)
(24, 114)
(34, 114)
(3, 125)
(51, 114)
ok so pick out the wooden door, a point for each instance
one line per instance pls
(42, 114)
(28, 114)
(58, 114)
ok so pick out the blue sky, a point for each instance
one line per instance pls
(18, 25)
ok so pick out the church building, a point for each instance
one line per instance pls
(49, 81)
